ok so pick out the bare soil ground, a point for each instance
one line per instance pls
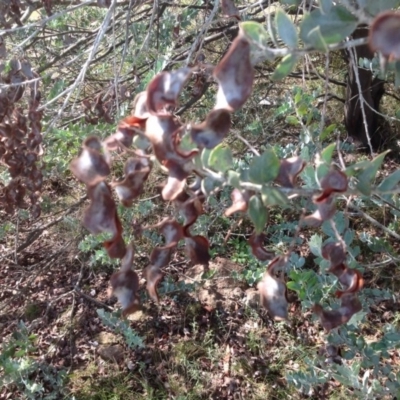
(213, 342)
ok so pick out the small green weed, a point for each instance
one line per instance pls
(22, 372)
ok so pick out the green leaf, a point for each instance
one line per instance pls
(322, 170)
(131, 337)
(343, 375)
(392, 337)
(264, 168)
(353, 170)
(56, 89)
(292, 120)
(308, 176)
(315, 244)
(208, 185)
(348, 236)
(205, 155)
(390, 181)
(327, 152)
(258, 38)
(327, 131)
(33, 387)
(244, 174)
(299, 96)
(234, 179)
(316, 40)
(368, 175)
(326, 6)
(334, 26)
(258, 213)
(107, 318)
(293, 286)
(255, 32)
(341, 222)
(186, 143)
(286, 29)
(374, 7)
(303, 109)
(305, 154)
(272, 197)
(285, 67)
(324, 265)
(221, 158)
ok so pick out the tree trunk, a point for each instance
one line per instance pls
(372, 90)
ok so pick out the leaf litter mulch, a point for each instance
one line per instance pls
(212, 342)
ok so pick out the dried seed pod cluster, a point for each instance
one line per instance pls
(20, 138)
(11, 12)
(153, 120)
(333, 182)
(272, 289)
(352, 282)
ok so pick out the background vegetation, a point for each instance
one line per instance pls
(71, 69)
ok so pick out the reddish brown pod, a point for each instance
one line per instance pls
(331, 319)
(384, 35)
(352, 282)
(235, 76)
(273, 292)
(333, 182)
(91, 167)
(289, 170)
(257, 248)
(125, 284)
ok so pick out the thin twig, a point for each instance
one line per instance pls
(375, 222)
(124, 52)
(3, 86)
(388, 203)
(35, 234)
(81, 76)
(150, 198)
(246, 142)
(196, 44)
(354, 65)
(92, 299)
(43, 22)
(146, 39)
